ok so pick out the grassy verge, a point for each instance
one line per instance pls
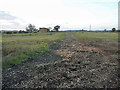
(18, 47)
(97, 35)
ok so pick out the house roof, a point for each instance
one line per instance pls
(43, 28)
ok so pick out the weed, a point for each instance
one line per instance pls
(18, 47)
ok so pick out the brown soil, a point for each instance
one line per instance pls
(71, 63)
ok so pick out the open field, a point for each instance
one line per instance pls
(63, 60)
(97, 35)
(18, 47)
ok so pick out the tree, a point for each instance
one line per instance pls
(49, 29)
(56, 28)
(113, 29)
(35, 30)
(31, 28)
(105, 30)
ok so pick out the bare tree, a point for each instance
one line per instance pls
(31, 28)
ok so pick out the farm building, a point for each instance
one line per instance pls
(42, 30)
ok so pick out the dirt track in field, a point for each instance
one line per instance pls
(71, 63)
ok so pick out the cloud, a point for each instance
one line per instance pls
(70, 14)
(8, 21)
(6, 16)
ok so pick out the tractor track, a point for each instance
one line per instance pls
(71, 63)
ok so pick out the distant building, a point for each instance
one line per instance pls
(42, 30)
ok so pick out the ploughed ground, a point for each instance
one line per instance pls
(71, 63)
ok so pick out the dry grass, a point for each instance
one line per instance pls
(97, 35)
(18, 47)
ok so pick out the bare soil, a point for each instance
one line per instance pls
(71, 63)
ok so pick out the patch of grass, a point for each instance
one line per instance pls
(17, 48)
(97, 35)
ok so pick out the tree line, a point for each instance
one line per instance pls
(31, 28)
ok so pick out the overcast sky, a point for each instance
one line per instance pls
(69, 14)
